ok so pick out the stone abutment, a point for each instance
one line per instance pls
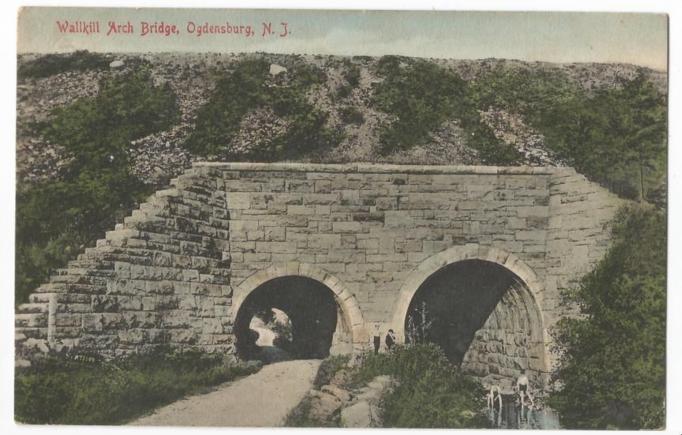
(503, 242)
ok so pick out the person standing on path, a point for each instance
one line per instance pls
(390, 339)
(377, 339)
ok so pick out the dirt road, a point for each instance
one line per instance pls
(262, 399)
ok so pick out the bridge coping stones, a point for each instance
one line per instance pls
(369, 168)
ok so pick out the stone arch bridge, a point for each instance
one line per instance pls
(348, 251)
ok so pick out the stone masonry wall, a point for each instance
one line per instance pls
(166, 275)
(161, 277)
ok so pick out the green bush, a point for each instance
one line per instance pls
(612, 359)
(615, 136)
(431, 392)
(61, 391)
(57, 219)
(235, 94)
(52, 64)
(247, 88)
(351, 74)
(351, 115)
(421, 96)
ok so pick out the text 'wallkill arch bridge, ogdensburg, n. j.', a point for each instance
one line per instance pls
(344, 250)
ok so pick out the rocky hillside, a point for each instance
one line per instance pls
(349, 95)
(98, 133)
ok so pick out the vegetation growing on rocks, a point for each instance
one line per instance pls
(304, 415)
(421, 96)
(249, 87)
(431, 391)
(61, 390)
(612, 360)
(51, 64)
(614, 135)
(56, 219)
(372, 109)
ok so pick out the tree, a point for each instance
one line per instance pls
(57, 219)
(616, 137)
(612, 358)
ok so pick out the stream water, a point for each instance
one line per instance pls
(511, 417)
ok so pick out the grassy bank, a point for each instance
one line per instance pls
(432, 392)
(63, 391)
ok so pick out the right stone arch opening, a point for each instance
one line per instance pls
(485, 319)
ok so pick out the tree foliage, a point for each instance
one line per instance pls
(615, 135)
(612, 361)
(55, 220)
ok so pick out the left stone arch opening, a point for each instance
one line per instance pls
(314, 321)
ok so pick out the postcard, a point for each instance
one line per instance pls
(360, 219)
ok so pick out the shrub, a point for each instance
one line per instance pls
(615, 136)
(612, 360)
(351, 115)
(55, 220)
(247, 88)
(300, 415)
(351, 74)
(421, 96)
(52, 64)
(61, 391)
(431, 392)
(235, 94)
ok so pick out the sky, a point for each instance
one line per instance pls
(636, 38)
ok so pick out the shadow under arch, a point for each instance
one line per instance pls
(496, 293)
(350, 332)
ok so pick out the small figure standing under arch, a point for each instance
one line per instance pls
(390, 340)
(376, 339)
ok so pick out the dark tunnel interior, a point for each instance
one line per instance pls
(455, 302)
(310, 307)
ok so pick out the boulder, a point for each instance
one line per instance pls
(335, 390)
(276, 69)
(342, 377)
(370, 394)
(380, 382)
(323, 405)
(357, 415)
(116, 64)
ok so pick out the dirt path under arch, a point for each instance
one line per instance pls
(262, 399)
